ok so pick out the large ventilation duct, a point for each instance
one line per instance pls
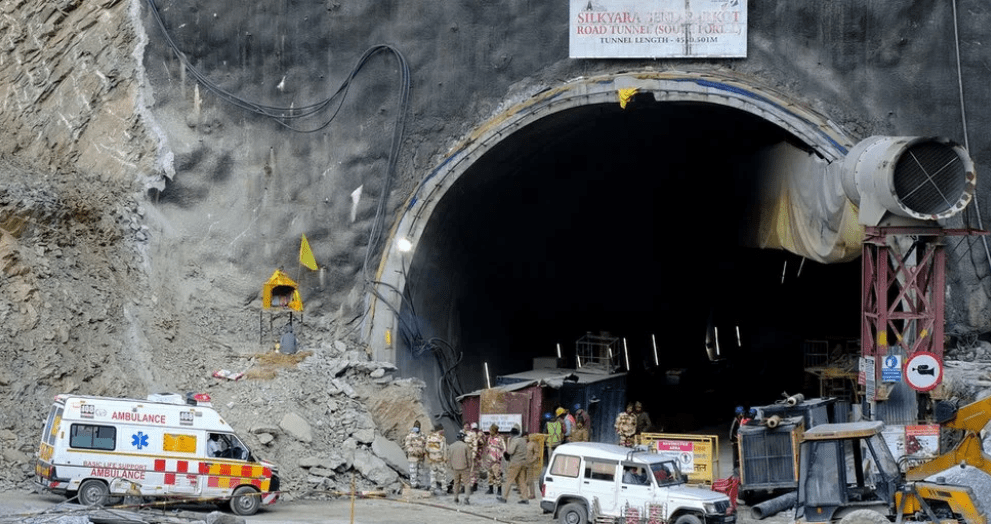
(923, 179)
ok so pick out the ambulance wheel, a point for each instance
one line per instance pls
(93, 493)
(245, 501)
(573, 513)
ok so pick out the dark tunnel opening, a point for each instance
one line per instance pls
(635, 223)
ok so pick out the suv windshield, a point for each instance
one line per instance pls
(666, 473)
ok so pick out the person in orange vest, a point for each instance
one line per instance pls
(569, 423)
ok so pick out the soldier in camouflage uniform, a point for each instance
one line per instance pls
(415, 446)
(473, 438)
(626, 426)
(437, 458)
(495, 446)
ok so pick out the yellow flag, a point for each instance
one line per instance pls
(306, 255)
(625, 95)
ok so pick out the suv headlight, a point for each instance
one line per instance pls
(710, 508)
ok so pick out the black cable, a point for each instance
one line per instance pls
(281, 114)
(448, 359)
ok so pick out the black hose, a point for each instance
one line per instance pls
(774, 506)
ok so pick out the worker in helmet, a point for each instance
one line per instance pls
(567, 423)
(459, 458)
(555, 432)
(734, 436)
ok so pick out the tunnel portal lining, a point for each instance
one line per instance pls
(819, 133)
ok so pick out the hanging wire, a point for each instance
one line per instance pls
(963, 119)
(283, 114)
(447, 356)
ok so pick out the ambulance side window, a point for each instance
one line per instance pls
(89, 436)
(52, 426)
(238, 450)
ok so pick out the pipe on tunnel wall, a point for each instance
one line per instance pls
(924, 179)
(827, 142)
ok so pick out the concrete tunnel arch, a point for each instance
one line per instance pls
(820, 136)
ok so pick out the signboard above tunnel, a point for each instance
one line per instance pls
(658, 29)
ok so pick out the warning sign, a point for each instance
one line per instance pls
(702, 450)
(923, 371)
(680, 451)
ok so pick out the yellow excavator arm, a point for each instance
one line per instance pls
(960, 499)
(971, 419)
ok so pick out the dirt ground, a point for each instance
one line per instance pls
(394, 510)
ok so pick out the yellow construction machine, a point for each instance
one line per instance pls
(848, 474)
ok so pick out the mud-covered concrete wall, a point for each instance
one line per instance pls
(229, 191)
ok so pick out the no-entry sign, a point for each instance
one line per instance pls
(923, 371)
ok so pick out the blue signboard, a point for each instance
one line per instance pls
(891, 368)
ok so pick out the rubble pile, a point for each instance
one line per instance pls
(335, 414)
(966, 374)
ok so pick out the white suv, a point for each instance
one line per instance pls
(587, 480)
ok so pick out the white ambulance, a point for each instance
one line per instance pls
(101, 449)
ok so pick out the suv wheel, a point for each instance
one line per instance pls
(688, 518)
(573, 513)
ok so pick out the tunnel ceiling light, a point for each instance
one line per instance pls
(404, 245)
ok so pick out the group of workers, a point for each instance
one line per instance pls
(472, 452)
(475, 451)
(563, 426)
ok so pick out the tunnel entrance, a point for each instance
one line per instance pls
(637, 222)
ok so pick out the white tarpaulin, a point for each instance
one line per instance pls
(803, 208)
